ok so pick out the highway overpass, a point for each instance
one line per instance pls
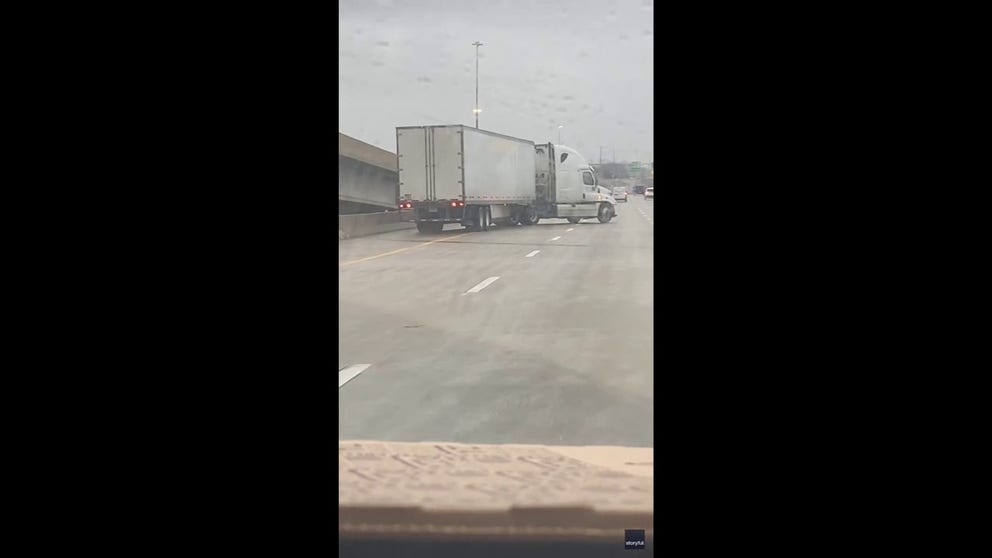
(367, 177)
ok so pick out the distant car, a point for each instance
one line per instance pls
(649, 192)
(620, 193)
(638, 189)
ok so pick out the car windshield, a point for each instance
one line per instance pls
(492, 290)
(480, 269)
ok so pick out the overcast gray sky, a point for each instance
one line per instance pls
(586, 64)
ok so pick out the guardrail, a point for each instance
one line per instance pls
(365, 224)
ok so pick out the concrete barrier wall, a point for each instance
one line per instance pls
(365, 224)
(362, 183)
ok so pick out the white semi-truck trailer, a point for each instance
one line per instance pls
(476, 178)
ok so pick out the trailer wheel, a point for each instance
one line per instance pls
(477, 219)
(530, 216)
(485, 218)
(471, 218)
(574, 220)
(423, 228)
(605, 213)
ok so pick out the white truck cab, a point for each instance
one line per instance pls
(577, 194)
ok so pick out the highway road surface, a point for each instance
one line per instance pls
(524, 335)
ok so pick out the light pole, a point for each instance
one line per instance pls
(477, 44)
(559, 133)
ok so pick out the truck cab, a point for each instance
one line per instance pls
(567, 186)
(575, 179)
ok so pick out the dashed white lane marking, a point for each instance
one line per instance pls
(481, 285)
(570, 230)
(556, 238)
(345, 375)
(532, 254)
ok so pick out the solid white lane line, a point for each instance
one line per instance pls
(532, 254)
(556, 238)
(344, 376)
(570, 230)
(482, 285)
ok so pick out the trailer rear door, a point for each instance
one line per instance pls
(430, 162)
(411, 156)
(446, 161)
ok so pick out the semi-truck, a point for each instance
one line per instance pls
(477, 178)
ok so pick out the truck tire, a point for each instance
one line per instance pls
(574, 220)
(485, 218)
(530, 217)
(605, 213)
(423, 228)
(471, 219)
